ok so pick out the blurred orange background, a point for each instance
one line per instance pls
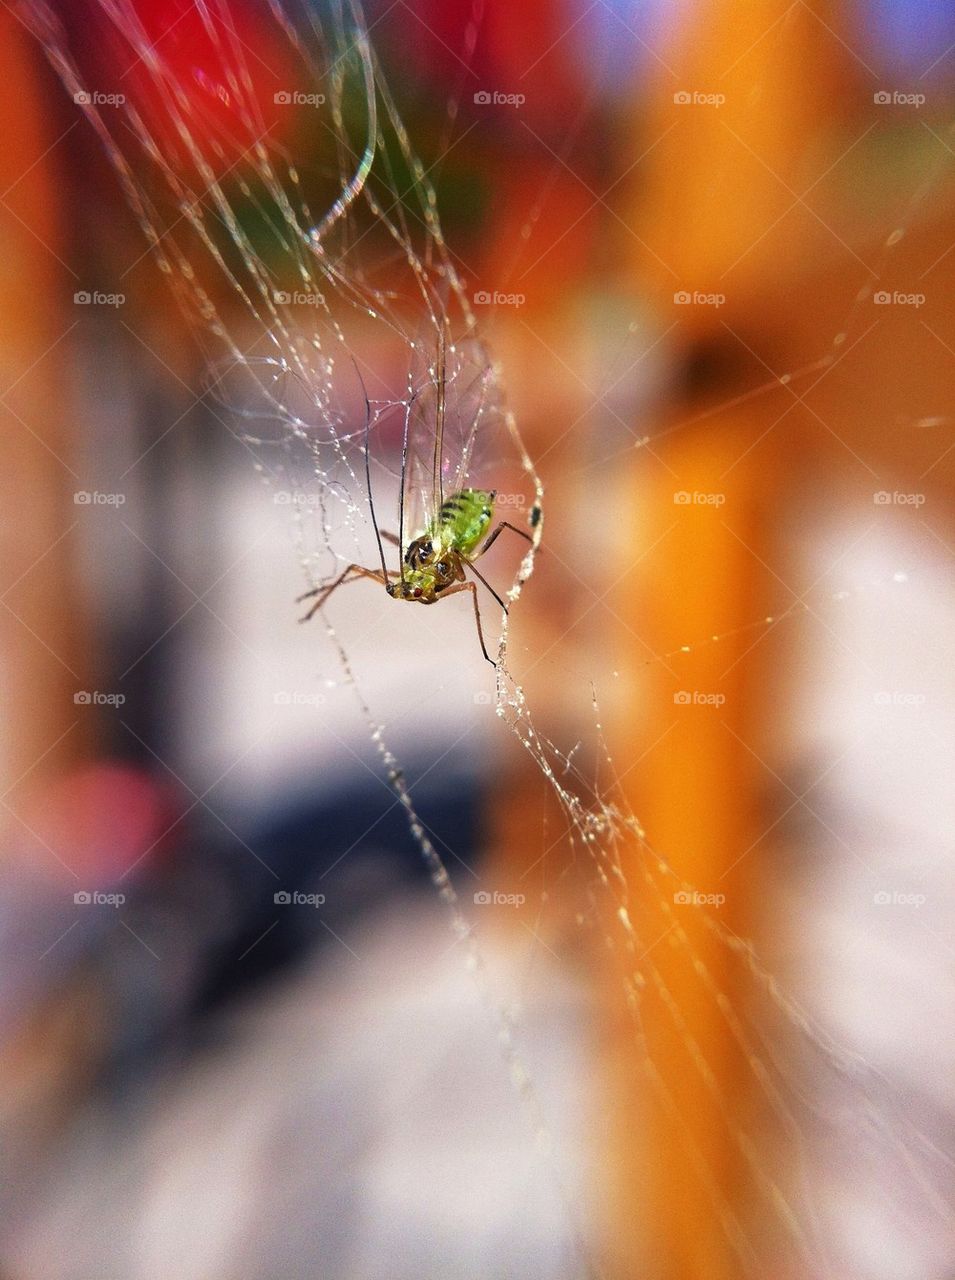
(730, 230)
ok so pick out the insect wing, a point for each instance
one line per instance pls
(453, 428)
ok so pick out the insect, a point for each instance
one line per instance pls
(435, 562)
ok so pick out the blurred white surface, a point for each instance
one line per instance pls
(357, 1123)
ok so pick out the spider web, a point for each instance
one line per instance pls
(296, 259)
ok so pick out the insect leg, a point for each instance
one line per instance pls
(391, 537)
(496, 533)
(352, 572)
(481, 578)
(469, 586)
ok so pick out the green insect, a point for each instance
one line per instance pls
(434, 564)
(433, 567)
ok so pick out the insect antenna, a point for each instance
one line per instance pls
(401, 487)
(437, 479)
(371, 498)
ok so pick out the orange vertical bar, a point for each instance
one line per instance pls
(40, 630)
(695, 1160)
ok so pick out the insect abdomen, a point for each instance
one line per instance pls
(464, 518)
